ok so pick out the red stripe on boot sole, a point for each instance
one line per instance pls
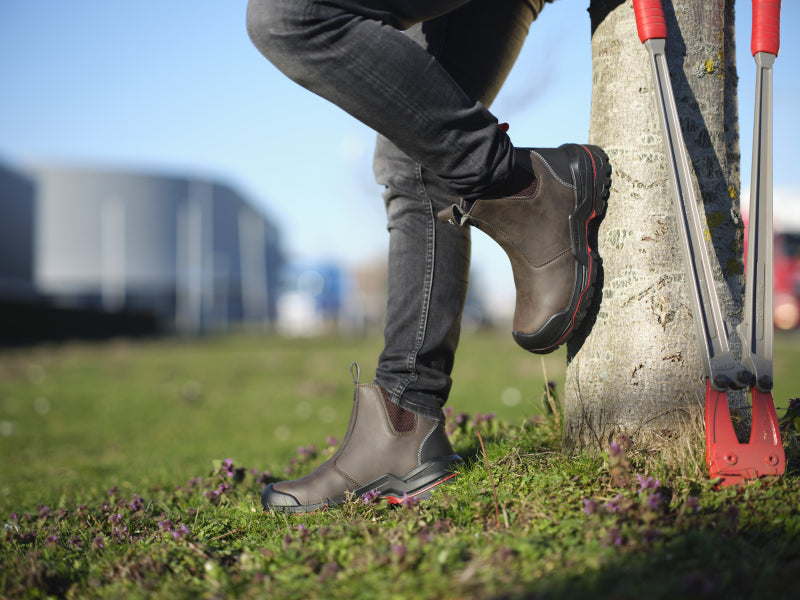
(395, 500)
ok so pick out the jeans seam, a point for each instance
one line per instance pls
(430, 241)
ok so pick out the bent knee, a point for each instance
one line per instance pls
(277, 27)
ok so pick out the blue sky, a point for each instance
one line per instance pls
(175, 86)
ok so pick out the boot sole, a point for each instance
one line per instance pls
(418, 483)
(590, 203)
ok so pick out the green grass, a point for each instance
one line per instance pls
(94, 415)
(148, 419)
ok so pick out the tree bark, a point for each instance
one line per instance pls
(638, 370)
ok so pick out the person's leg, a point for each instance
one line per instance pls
(428, 260)
(396, 442)
(353, 53)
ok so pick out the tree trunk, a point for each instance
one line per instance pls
(638, 371)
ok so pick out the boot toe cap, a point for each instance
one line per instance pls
(272, 499)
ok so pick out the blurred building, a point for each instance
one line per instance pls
(17, 201)
(131, 251)
(314, 294)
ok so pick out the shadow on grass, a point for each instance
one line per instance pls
(728, 565)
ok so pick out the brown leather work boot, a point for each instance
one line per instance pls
(544, 231)
(386, 449)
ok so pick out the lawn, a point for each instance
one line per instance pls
(155, 412)
(133, 468)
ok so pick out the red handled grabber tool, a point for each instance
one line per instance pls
(727, 458)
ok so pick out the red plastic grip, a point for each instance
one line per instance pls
(766, 26)
(650, 20)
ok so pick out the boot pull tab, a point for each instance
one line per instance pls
(453, 215)
(355, 372)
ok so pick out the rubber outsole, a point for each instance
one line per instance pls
(418, 483)
(589, 205)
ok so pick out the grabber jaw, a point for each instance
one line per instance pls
(735, 463)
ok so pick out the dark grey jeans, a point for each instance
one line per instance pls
(426, 93)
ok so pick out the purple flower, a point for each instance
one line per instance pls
(120, 533)
(27, 537)
(14, 516)
(655, 501)
(165, 525)
(75, 541)
(332, 441)
(263, 478)
(116, 519)
(614, 537)
(51, 540)
(647, 483)
(307, 451)
(137, 503)
(615, 505)
(462, 418)
(180, 533)
(227, 467)
(399, 550)
(214, 495)
(614, 449)
(113, 491)
(98, 543)
(371, 496)
(590, 506)
(44, 512)
(479, 418)
(302, 531)
(408, 501)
